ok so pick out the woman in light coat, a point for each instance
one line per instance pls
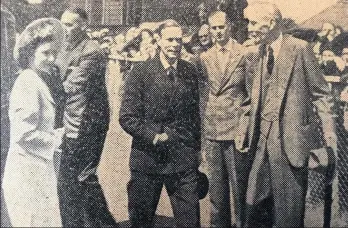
(29, 182)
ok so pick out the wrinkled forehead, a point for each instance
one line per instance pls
(217, 19)
(328, 26)
(262, 12)
(171, 32)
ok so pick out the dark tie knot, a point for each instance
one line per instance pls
(171, 72)
(270, 50)
(262, 49)
(223, 50)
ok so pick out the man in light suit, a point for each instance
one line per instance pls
(224, 66)
(287, 95)
(86, 122)
(160, 109)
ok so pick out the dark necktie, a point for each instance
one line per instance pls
(270, 62)
(171, 72)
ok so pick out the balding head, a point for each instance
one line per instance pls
(264, 11)
(264, 21)
(204, 35)
(219, 27)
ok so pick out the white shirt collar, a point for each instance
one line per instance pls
(276, 45)
(165, 63)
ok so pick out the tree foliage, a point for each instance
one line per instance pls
(26, 13)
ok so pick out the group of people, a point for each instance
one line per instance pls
(59, 117)
(248, 113)
(330, 48)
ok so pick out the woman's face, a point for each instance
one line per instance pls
(44, 57)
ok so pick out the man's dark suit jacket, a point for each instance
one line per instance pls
(83, 73)
(153, 103)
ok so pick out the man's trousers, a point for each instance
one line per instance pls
(144, 192)
(276, 190)
(81, 198)
(228, 171)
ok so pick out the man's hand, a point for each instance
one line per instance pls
(239, 141)
(340, 64)
(331, 140)
(160, 138)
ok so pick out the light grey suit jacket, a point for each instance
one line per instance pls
(304, 95)
(226, 92)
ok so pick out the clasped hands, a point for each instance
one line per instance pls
(160, 138)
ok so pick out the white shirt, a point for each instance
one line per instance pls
(276, 45)
(165, 63)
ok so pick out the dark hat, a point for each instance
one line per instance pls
(203, 185)
(339, 42)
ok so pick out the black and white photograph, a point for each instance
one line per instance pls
(174, 113)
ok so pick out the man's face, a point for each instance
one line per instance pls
(204, 36)
(327, 56)
(258, 28)
(171, 42)
(345, 55)
(327, 29)
(219, 28)
(73, 24)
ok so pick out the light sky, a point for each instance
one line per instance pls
(301, 10)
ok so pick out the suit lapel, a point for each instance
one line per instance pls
(234, 58)
(45, 90)
(214, 65)
(73, 56)
(284, 65)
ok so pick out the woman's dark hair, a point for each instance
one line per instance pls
(27, 52)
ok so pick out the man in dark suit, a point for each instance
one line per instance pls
(160, 109)
(86, 120)
(287, 95)
(224, 66)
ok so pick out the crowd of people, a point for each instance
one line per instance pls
(246, 111)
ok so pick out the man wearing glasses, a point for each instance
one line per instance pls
(223, 65)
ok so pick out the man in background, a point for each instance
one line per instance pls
(224, 67)
(86, 120)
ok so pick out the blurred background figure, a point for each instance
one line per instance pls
(8, 38)
(205, 39)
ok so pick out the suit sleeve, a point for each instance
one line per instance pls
(321, 95)
(25, 120)
(132, 113)
(246, 103)
(78, 77)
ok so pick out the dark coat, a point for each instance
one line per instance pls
(83, 73)
(304, 94)
(153, 103)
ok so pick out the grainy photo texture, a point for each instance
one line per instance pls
(174, 113)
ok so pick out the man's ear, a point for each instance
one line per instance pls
(158, 39)
(272, 24)
(84, 25)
